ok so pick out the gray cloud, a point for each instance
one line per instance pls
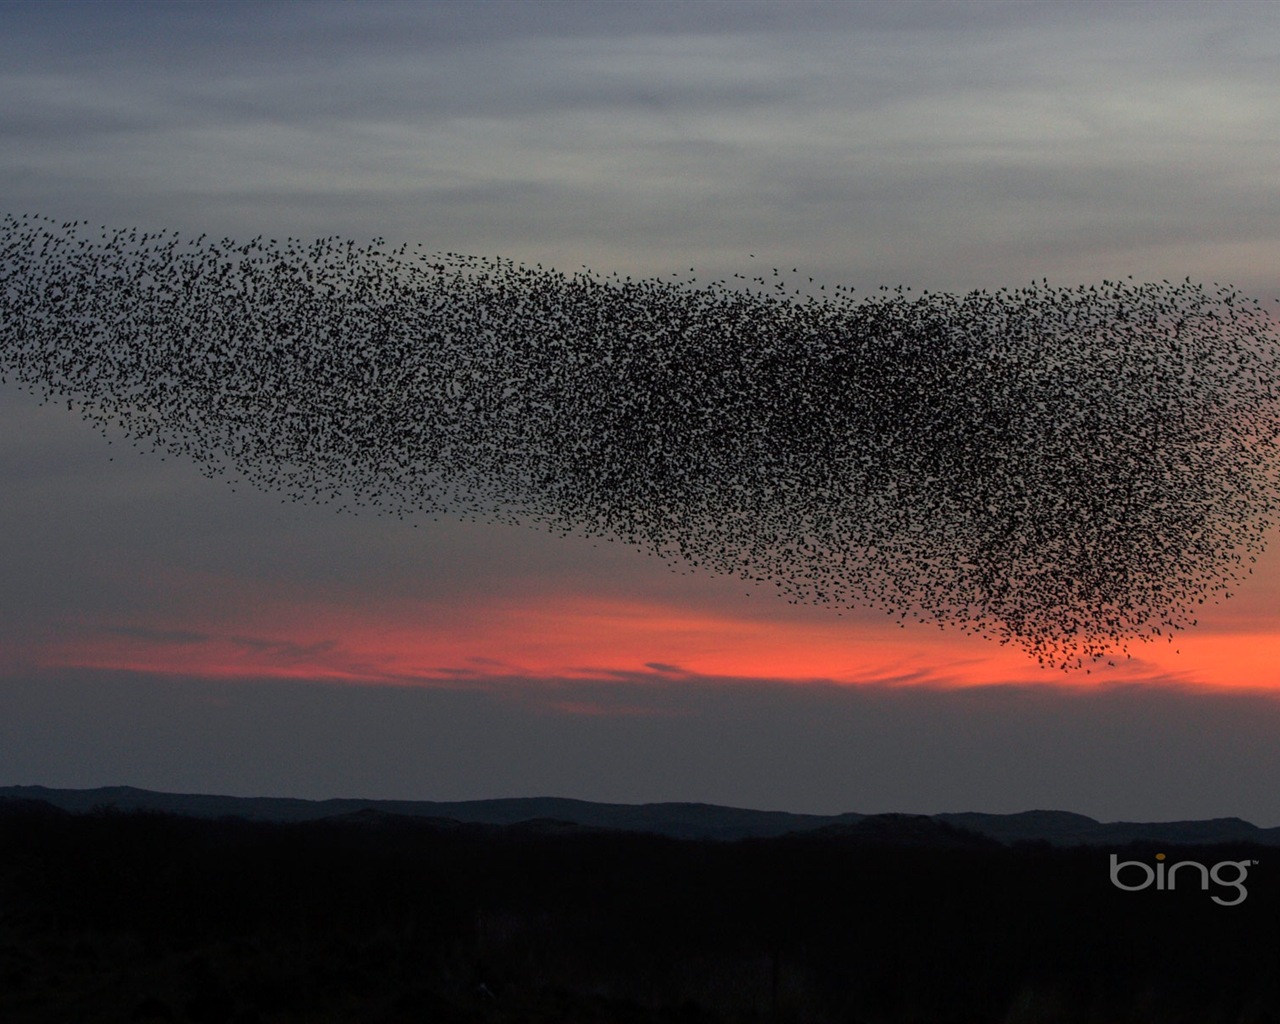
(871, 145)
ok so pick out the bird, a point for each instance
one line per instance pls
(1067, 469)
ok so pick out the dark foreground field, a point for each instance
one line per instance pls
(124, 917)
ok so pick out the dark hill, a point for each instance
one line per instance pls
(902, 830)
(675, 820)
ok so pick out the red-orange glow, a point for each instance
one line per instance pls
(576, 636)
(1244, 661)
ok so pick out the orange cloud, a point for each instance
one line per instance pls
(578, 636)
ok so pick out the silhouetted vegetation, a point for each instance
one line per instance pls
(376, 918)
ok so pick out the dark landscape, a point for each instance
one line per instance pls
(120, 904)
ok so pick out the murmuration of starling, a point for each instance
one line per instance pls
(1066, 469)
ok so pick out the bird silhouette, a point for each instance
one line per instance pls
(1067, 469)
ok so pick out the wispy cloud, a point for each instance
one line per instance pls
(374, 660)
(955, 147)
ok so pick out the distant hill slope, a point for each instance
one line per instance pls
(678, 820)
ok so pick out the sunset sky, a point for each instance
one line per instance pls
(162, 630)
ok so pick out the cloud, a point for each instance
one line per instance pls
(873, 143)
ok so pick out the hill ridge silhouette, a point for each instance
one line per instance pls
(680, 820)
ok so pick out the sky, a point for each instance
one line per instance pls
(164, 630)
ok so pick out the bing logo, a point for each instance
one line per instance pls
(1164, 876)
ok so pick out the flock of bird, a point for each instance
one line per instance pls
(1068, 469)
